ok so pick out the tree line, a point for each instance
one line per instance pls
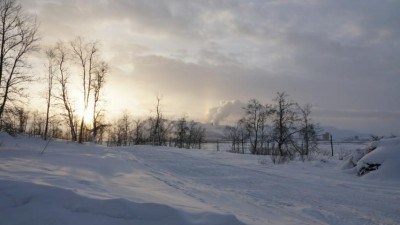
(156, 130)
(125, 130)
(282, 130)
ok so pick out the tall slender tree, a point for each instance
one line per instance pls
(181, 130)
(97, 86)
(86, 54)
(18, 39)
(255, 121)
(157, 124)
(284, 123)
(308, 131)
(61, 58)
(138, 131)
(51, 69)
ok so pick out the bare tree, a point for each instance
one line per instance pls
(23, 117)
(284, 123)
(138, 131)
(61, 57)
(191, 137)
(37, 124)
(188, 134)
(120, 134)
(242, 134)
(125, 127)
(181, 129)
(199, 136)
(238, 135)
(233, 135)
(86, 55)
(308, 131)
(195, 135)
(256, 124)
(18, 38)
(54, 128)
(51, 69)
(157, 124)
(97, 86)
(15, 120)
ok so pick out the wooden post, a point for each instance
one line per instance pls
(217, 145)
(331, 144)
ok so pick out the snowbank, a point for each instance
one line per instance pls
(387, 156)
(27, 203)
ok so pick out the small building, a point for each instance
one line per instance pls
(326, 136)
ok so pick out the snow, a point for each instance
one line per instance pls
(89, 184)
(387, 154)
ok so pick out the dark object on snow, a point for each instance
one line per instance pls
(369, 167)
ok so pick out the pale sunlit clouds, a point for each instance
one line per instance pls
(341, 56)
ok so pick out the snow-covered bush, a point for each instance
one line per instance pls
(344, 153)
(383, 162)
(355, 156)
(380, 159)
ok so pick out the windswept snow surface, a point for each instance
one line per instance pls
(88, 184)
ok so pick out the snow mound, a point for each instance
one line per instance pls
(66, 207)
(354, 157)
(385, 159)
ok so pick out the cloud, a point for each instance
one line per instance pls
(333, 54)
(365, 114)
(370, 121)
(226, 112)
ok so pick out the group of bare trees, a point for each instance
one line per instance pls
(155, 130)
(188, 134)
(128, 131)
(283, 130)
(84, 57)
(64, 61)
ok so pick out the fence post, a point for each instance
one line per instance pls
(331, 144)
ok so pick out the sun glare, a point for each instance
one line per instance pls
(80, 112)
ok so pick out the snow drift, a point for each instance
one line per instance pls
(28, 203)
(383, 161)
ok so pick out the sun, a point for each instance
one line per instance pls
(80, 112)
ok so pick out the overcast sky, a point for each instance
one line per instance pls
(210, 57)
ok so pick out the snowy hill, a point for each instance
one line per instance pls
(89, 184)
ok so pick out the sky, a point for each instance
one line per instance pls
(208, 58)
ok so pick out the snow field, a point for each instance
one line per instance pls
(89, 184)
